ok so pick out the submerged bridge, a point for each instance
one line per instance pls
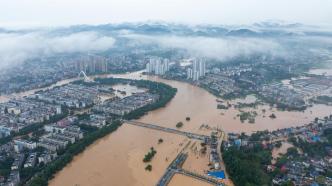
(175, 168)
(169, 130)
(200, 177)
(172, 169)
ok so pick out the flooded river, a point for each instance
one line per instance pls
(116, 159)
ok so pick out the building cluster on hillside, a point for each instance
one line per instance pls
(313, 86)
(17, 114)
(305, 170)
(310, 133)
(35, 73)
(219, 84)
(308, 169)
(125, 63)
(157, 66)
(298, 92)
(44, 71)
(122, 106)
(197, 69)
(232, 70)
(282, 94)
(71, 95)
(223, 81)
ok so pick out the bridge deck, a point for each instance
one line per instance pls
(175, 166)
(176, 163)
(199, 177)
(170, 130)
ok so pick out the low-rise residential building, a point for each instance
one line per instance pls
(20, 144)
(31, 160)
(13, 179)
(128, 104)
(18, 162)
(59, 139)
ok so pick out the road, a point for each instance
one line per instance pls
(169, 130)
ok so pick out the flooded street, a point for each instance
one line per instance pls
(116, 159)
(124, 90)
(277, 152)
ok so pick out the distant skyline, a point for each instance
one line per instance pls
(26, 13)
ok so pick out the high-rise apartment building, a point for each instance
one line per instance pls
(198, 70)
(157, 66)
(92, 64)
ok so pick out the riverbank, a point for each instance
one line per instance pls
(41, 178)
(165, 92)
(121, 152)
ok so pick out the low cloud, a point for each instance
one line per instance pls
(216, 48)
(17, 47)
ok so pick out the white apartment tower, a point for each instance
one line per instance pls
(157, 66)
(198, 70)
(189, 73)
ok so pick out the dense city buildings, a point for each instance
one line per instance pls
(44, 71)
(247, 107)
(92, 64)
(126, 105)
(37, 129)
(197, 70)
(307, 160)
(66, 115)
(72, 96)
(157, 66)
(18, 114)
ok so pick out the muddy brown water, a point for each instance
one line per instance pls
(116, 159)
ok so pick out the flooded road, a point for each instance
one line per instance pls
(116, 159)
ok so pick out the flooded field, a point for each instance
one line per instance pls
(124, 90)
(277, 152)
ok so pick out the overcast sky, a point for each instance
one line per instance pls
(22, 13)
